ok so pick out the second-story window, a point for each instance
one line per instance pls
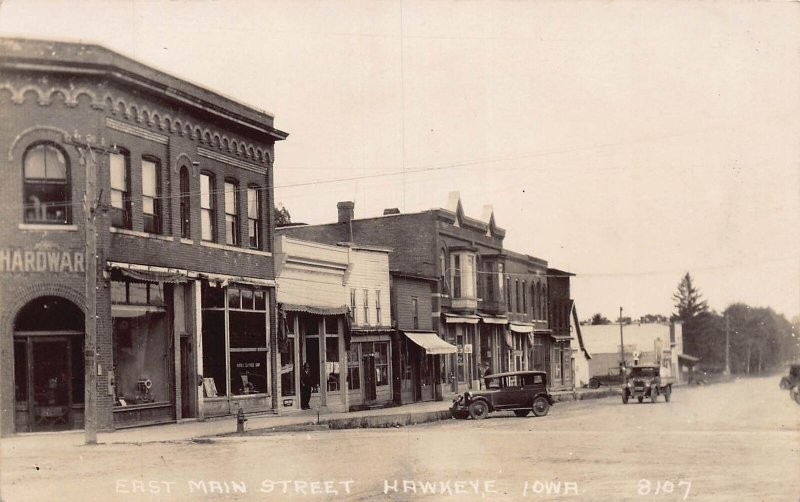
(207, 207)
(366, 306)
(508, 294)
(120, 190)
(254, 216)
(524, 305)
(415, 313)
(353, 304)
(231, 214)
(456, 276)
(186, 204)
(46, 190)
(151, 202)
(516, 287)
(378, 307)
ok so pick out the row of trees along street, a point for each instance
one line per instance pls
(760, 338)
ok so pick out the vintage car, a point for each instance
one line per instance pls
(613, 377)
(792, 382)
(517, 391)
(646, 381)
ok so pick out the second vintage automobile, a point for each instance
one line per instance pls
(517, 391)
(647, 381)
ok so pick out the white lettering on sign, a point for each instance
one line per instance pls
(18, 260)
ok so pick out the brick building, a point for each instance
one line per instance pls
(185, 282)
(489, 306)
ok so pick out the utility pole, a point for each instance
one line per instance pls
(727, 345)
(90, 204)
(621, 349)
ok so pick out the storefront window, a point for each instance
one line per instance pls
(140, 343)
(381, 363)
(353, 369)
(214, 353)
(312, 358)
(332, 362)
(287, 368)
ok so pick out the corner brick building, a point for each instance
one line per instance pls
(185, 275)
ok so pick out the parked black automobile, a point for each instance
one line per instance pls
(792, 382)
(518, 391)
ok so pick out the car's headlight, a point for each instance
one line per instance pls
(467, 395)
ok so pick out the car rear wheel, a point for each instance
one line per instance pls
(478, 410)
(653, 394)
(795, 393)
(594, 383)
(640, 398)
(540, 406)
(521, 413)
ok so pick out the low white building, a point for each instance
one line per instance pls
(648, 343)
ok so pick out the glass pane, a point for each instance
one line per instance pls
(260, 301)
(287, 369)
(205, 225)
(116, 199)
(230, 230)
(34, 163)
(252, 231)
(46, 202)
(234, 301)
(148, 205)
(137, 293)
(252, 203)
(118, 176)
(332, 362)
(139, 345)
(247, 299)
(55, 164)
(214, 353)
(332, 324)
(248, 330)
(149, 182)
(248, 373)
(213, 297)
(156, 293)
(118, 292)
(230, 198)
(205, 191)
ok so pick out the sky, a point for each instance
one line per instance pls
(628, 143)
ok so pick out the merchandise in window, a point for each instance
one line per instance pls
(46, 188)
(381, 363)
(332, 362)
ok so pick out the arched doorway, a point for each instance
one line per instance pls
(48, 365)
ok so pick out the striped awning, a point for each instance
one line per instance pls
(431, 342)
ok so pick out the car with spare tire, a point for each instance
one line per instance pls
(522, 392)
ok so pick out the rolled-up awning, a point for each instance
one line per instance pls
(491, 319)
(521, 328)
(431, 342)
(313, 309)
(465, 318)
(150, 274)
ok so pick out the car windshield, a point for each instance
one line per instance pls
(644, 372)
(492, 383)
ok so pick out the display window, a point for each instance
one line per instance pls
(235, 350)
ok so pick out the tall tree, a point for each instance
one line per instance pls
(688, 300)
(282, 216)
(599, 318)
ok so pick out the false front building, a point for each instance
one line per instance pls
(183, 216)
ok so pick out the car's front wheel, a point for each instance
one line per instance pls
(540, 406)
(785, 384)
(594, 383)
(478, 410)
(521, 413)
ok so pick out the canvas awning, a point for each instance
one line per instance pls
(431, 342)
(490, 319)
(521, 328)
(312, 309)
(150, 274)
(462, 318)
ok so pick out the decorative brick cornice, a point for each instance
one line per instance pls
(149, 116)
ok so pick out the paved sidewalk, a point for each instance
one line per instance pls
(189, 430)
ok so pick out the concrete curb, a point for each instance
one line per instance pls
(366, 422)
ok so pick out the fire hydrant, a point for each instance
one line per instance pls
(240, 420)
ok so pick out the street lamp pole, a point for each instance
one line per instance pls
(621, 348)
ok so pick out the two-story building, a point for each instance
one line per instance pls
(183, 224)
(334, 313)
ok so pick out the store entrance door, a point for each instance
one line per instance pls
(370, 391)
(188, 383)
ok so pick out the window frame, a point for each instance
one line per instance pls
(366, 307)
(211, 210)
(254, 230)
(184, 185)
(126, 209)
(158, 226)
(65, 202)
(378, 307)
(232, 231)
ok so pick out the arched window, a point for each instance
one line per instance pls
(186, 204)
(46, 185)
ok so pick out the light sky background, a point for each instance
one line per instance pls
(625, 142)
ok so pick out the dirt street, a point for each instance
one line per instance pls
(732, 441)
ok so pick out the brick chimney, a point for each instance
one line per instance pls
(345, 211)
